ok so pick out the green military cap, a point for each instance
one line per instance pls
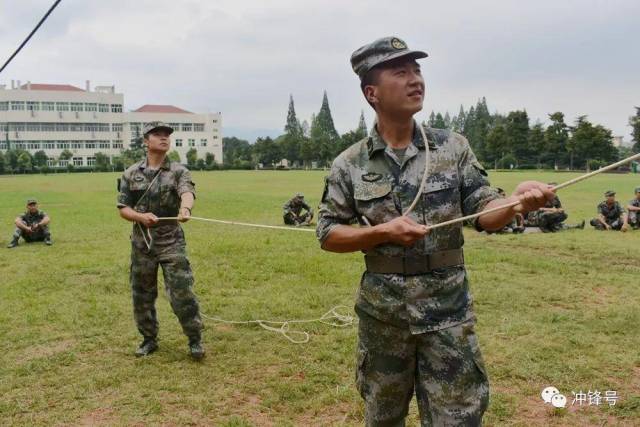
(150, 127)
(637, 190)
(299, 195)
(610, 193)
(31, 201)
(380, 51)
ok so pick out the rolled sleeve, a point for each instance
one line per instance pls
(475, 190)
(124, 194)
(337, 205)
(186, 184)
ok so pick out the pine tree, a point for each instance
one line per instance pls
(447, 120)
(557, 142)
(432, 119)
(292, 127)
(362, 126)
(324, 136)
(439, 122)
(634, 122)
(460, 120)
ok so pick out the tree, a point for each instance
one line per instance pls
(103, 162)
(210, 161)
(24, 162)
(447, 120)
(556, 141)
(439, 122)
(457, 123)
(200, 164)
(362, 126)
(65, 155)
(592, 143)
(236, 152)
(537, 142)
(174, 156)
(40, 159)
(192, 157)
(2, 168)
(267, 151)
(292, 128)
(432, 119)
(517, 126)
(324, 136)
(497, 144)
(634, 122)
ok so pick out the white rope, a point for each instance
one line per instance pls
(246, 224)
(331, 318)
(423, 183)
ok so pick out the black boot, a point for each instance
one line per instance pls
(13, 243)
(148, 346)
(48, 241)
(195, 349)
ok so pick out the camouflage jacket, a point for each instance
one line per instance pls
(610, 213)
(634, 202)
(161, 199)
(367, 180)
(31, 219)
(295, 206)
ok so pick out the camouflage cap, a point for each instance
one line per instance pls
(150, 127)
(609, 193)
(637, 190)
(31, 201)
(380, 51)
(299, 195)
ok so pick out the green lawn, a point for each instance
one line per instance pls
(553, 309)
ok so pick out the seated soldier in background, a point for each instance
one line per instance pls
(32, 226)
(517, 224)
(611, 216)
(292, 211)
(550, 218)
(634, 210)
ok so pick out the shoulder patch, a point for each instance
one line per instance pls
(371, 177)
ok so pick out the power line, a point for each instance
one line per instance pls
(44, 18)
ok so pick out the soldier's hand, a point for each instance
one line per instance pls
(532, 196)
(607, 226)
(404, 231)
(184, 215)
(624, 228)
(148, 219)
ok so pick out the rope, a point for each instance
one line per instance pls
(423, 183)
(331, 318)
(245, 224)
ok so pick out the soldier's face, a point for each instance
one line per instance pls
(32, 208)
(158, 141)
(399, 89)
(611, 199)
(638, 195)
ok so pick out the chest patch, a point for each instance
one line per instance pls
(371, 177)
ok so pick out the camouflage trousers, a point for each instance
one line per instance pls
(39, 235)
(444, 368)
(634, 219)
(551, 221)
(615, 224)
(291, 219)
(178, 281)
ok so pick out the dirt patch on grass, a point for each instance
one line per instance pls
(335, 415)
(98, 417)
(45, 350)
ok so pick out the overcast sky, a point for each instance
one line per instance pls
(244, 58)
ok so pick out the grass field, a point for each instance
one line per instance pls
(553, 309)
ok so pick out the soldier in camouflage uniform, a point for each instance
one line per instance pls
(634, 210)
(611, 216)
(152, 188)
(416, 321)
(551, 217)
(32, 226)
(292, 211)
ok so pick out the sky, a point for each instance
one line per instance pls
(244, 58)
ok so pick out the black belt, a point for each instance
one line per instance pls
(413, 265)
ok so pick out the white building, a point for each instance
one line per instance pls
(54, 118)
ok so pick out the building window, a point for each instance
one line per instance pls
(62, 106)
(91, 161)
(62, 127)
(4, 106)
(48, 106)
(117, 144)
(77, 145)
(63, 163)
(17, 144)
(3, 145)
(75, 127)
(116, 108)
(174, 126)
(62, 145)
(215, 121)
(192, 142)
(33, 145)
(103, 108)
(215, 136)
(136, 128)
(17, 127)
(47, 127)
(178, 143)
(198, 127)
(77, 161)
(17, 105)
(33, 127)
(77, 106)
(90, 145)
(51, 162)
(33, 106)
(49, 145)
(203, 143)
(104, 144)
(116, 127)
(187, 127)
(90, 107)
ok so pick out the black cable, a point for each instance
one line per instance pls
(30, 35)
